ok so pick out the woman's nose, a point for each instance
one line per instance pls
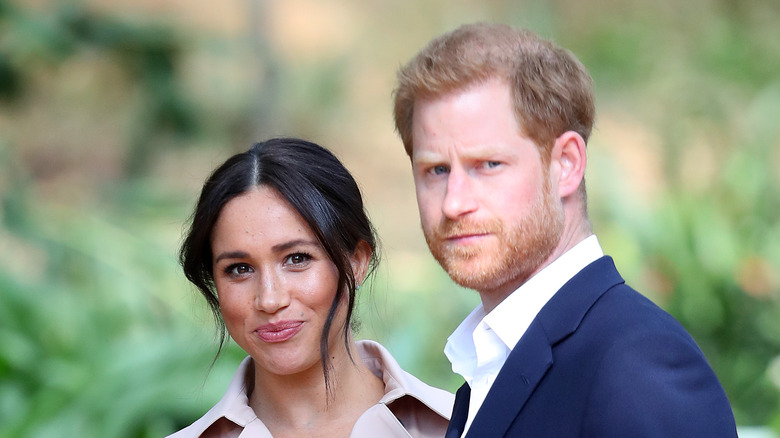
(271, 295)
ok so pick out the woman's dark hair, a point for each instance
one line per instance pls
(318, 187)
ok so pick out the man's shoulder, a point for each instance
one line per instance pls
(623, 307)
(604, 304)
(602, 282)
(625, 321)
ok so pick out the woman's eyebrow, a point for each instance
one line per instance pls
(231, 255)
(281, 247)
(293, 243)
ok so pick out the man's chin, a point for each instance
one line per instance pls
(471, 277)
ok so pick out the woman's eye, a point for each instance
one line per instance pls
(298, 258)
(238, 269)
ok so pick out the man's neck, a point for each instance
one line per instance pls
(570, 237)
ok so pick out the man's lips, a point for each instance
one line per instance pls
(465, 237)
(278, 332)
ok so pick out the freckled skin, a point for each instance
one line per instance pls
(274, 271)
(488, 207)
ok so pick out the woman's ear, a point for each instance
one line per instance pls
(361, 258)
(569, 159)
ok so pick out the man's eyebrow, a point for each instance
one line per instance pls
(426, 158)
(476, 152)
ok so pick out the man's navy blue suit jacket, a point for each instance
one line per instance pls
(601, 360)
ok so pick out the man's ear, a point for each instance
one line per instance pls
(360, 260)
(568, 161)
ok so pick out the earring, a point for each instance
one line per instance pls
(357, 287)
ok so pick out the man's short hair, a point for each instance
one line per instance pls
(551, 89)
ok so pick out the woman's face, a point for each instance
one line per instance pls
(275, 282)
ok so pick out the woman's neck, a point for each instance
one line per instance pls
(298, 405)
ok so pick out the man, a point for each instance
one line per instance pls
(495, 121)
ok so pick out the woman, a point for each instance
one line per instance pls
(278, 245)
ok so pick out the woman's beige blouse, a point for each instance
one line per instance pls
(409, 408)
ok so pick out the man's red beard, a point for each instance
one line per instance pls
(511, 254)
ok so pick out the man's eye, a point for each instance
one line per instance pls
(438, 170)
(492, 164)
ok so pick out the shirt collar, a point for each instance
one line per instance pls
(399, 383)
(234, 405)
(511, 318)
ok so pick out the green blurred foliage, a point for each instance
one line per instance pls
(106, 133)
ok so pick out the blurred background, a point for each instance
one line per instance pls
(113, 112)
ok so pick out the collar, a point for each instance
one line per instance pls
(399, 383)
(511, 318)
(234, 405)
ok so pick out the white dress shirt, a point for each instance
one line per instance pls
(481, 344)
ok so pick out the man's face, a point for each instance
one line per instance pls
(488, 208)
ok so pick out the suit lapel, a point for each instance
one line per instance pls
(562, 315)
(460, 412)
(530, 360)
(532, 357)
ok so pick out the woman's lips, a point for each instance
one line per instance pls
(278, 332)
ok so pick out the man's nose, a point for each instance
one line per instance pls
(460, 198)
